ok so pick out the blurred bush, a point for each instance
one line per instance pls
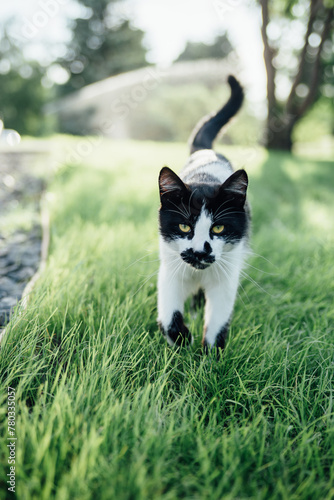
(23, 89)
(317, 123)
(172, 111)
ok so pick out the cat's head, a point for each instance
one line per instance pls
(202, 221)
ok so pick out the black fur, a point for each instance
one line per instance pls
(207, 129)
(198, 300)
(220, 341)
(177, 330)
(199, 260)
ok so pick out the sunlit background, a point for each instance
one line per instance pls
(41, 63)
(167, 26)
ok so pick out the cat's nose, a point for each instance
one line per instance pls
(206, 251)
(200, 255)
(207, 247)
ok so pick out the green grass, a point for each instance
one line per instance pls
(105, 409)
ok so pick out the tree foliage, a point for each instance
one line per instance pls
(22, 94)
(103, 44)
(307, 65)
(220, 48)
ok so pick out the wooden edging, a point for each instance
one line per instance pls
(45, 225)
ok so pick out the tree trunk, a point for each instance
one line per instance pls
(281, 120)
(280, 140)
(279, 131)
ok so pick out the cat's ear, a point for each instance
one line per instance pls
(236, 185)
(170, 184)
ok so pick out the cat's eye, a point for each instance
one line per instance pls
(218, 229)
(184, 228)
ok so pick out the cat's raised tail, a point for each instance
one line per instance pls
(208, 127)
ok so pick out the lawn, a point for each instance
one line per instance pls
(106, 409)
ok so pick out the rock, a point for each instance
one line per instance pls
(6, 306)
(20, 252)
(13, 257)
(4, 261)
(8, 302)
(22, 274)
(31, 257)
(7, 269)
(10, 288)
(3, 252)
(4, 317)
(19, 237)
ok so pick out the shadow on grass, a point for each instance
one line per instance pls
(285, 182)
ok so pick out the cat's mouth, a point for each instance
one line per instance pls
(198, 260)
(200, 265)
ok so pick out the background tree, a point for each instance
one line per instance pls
(102, 45)
(220, 48)
(22, 93)
(307, 71)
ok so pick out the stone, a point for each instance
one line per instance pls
(6, 270)
(8, 302)
(6, 306)
(8, 287)
(4, 317)
(22, 274)
(20, 252)
(3, 252)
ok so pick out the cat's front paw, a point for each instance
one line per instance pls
(176, 333)
(215, 342)
(216, 350)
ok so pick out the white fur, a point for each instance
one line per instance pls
(206, 161)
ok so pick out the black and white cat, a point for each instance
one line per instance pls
(204, 228)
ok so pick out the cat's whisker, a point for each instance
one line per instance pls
(192, 194)
(184, 270)
(215, 268)
(249, 278)
(140, 261)
(224, 203)
(230, 260)
(225, 270)
(175, 271)
(183, 213)
(247, 264)
(239, 294)
(222, 264)
(252, 253)
(179, 210)
(143, 284)
(227, 264)
(226, 274)
(226, 213)
(172, 260)
(237, 268)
